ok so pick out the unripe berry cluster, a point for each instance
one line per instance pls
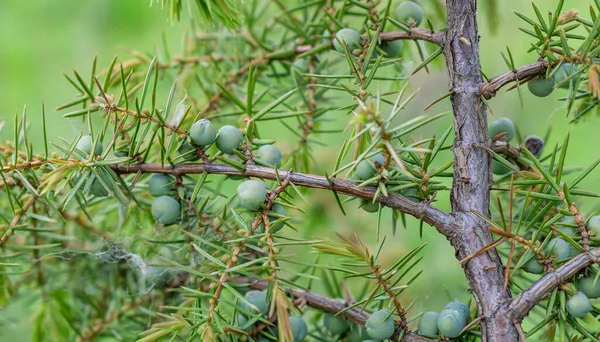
(558, 250)
(408, 13)
(449, 323)
(381, 324)
(166, 208)
(203, 133)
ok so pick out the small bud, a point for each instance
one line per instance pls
(567, 16)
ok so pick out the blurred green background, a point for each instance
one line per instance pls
(41, 39)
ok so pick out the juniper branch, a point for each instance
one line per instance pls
(526, 300)
(527, 72)
(330, 305)
(234, 256)
(443, 222)
(415, 33)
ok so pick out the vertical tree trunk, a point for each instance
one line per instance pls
(472, 176)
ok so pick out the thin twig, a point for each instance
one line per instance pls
(388, 290)
(585, 235)
(234, 255)
(16, 219)
(415, 33)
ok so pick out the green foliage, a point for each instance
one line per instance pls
(210, 11)
(94, 207)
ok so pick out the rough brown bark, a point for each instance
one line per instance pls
(472, 176)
